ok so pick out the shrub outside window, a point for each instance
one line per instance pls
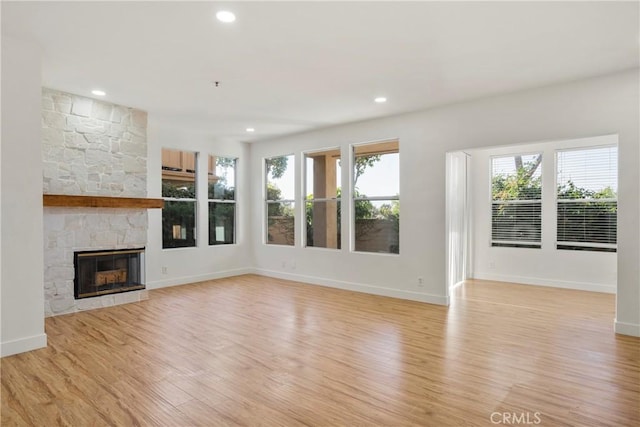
(376, 197)
(516, 201)
(222, 200)
(587, 199)
(280, 200)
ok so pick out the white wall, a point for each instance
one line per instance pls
(383, 274)
(607, 105)
(22, 257)
(204, 262)
(585, 270)
(600, 106)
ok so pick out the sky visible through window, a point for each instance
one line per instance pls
(589, 168)
(383, 182)
(226, 173)
(286, 183)
(507, 165)
(309, 170)
(382, 179)
(593, 169)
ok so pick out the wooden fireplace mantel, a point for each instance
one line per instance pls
(101, 201)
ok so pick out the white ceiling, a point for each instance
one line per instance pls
(285, 67)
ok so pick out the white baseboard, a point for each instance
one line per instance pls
(356, 287)
(624, 328)
(174, 281)
(8, 348)
(579, 286)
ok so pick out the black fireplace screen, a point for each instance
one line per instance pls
(108, 272)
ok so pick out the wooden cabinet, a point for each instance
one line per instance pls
(212, 165)
(178, 165)
(171, 160)
(188, 161)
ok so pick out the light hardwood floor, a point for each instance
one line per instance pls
(256, 351)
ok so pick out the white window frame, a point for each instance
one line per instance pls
(305, 191)
(196, 221)
(354, 199)
(566, 245)
(266, 201)
(519, 244)
(234, 201)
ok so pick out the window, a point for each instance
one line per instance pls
(279, 197)
(376, 197)
(179, 193)
(222, 200)
(322, 199)
(587, 197)
(516, 201)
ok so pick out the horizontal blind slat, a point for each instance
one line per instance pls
(516, 216)
(587, 207)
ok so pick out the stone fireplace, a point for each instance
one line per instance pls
(92, 148)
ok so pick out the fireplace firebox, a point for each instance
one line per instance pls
(108, 272)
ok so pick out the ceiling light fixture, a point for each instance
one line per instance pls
(225, 16)
(380, 99)
(250, 130)
(98, 92)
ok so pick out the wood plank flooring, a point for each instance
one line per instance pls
(257, 351)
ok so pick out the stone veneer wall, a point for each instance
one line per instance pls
(90, 147)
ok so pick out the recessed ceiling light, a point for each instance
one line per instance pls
(225, 16)
(98, 92)
(250, 130)
(380, 99)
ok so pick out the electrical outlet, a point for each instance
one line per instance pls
(420, 282)
(165, 270)
(492, 265)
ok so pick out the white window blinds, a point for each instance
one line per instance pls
(587, 195)
(516, 194)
